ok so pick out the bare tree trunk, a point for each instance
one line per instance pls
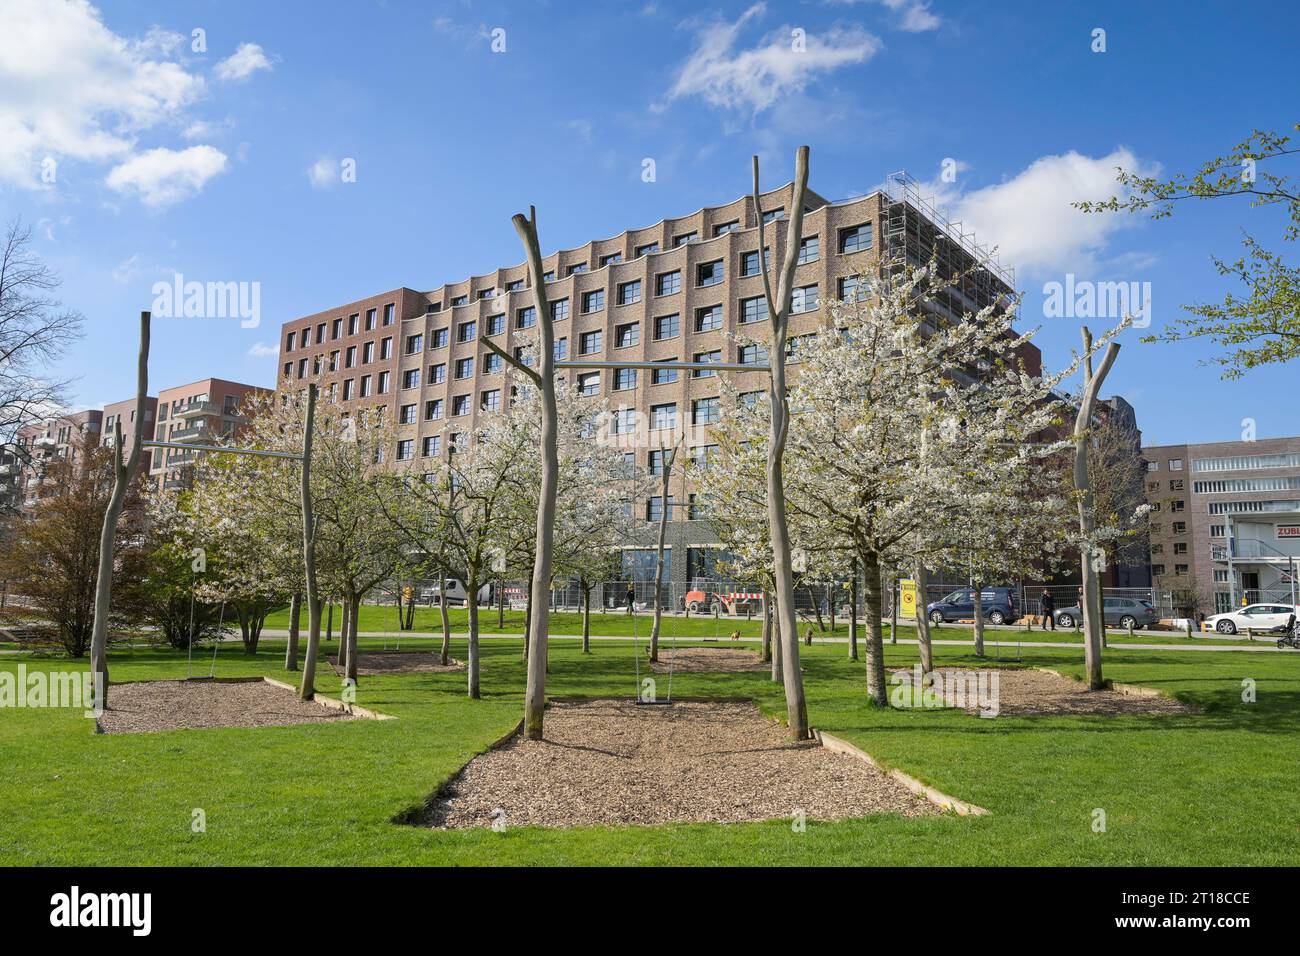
(922, 575)
(354, 608)
(291, 649)
(767, 626)
(586, 615)
(345, 614)
(778, 672)
(501, 605)
(1093, 620)
(778, 528)
(853, 613)
(667, 462)
(875, 625)
(893, 609)
(123, 474)
(472, 665)
(308, 688)
(446, 619)
(979, 618)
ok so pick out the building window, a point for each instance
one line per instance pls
(593, 301)
(1180, 547)
(753, 309)
(365, 386)
(491, 363)
(465, 368)
(610, 259)
(1218, 531)
(773, 214)
(656, 461)
(405, 449)
(1177, 505)
(386, 348)
(589, 342)
(629, 292)
(459, 405)
(496, 324)
(684, 238)
(715, 355)
(1176, 484)
(439, 339)
(548, 275)
(663, 416)
(414, 344)
(749, 262)
(350, 357)
(320, 334)
(705, 411)
(708, 319)
(437, 374)
(627, 335)
(667, 326)
(624, 421)
(561, 349)
(288, 344)
(1175, 464)
(624, 379)
(560, 310)
(459, 300)
(804, 299)
(654, 509)
(406, 415)
(723, 228)
(663, 376)
(809, 250)
(411, 378)
(702, 456)
(367, 353)
(648, 248)
(347, 390)
(576, 268)
(668, 283)
(526, 317)
(589, 383)
(854, 289)
(430, 446)
(370, 320)
(753, 354)
(467, 331)
(515, 285)
(1157, 570)
(709, 273)
(1179, 527)
(384, 378)
(433, 410)
(491, 400)
(389, 314)
(1180, 569)
(855, 238)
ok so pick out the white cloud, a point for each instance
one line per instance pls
(243, 63)
(757, 77)
(914, 16)
(74, 89)
(262, 350)
(206, 129)
(163, 176)
(1030, 219)
(324, 173)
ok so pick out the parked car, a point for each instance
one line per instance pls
(455, 593)
(1116, 612)
(1000, 606)
(1260, 617)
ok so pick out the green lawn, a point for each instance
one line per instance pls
(1216, 788)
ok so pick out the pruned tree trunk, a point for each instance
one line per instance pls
(979, 618)
(778, 672)
(123, 474)
(308, 688)
(446, 619)
(354, 608)
(893, 609)
(875, 613)
(472, 665)
(922, 576)
(291, 649)
(778, 308)
(586, 615)
(667, 460)
(1093, 620)
(767, 626)
(853, 613)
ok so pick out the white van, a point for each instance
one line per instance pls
(455, 593)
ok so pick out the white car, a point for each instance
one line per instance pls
(1260, 617)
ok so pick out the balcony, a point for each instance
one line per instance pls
(193, 433)
(45, 441)
(196, 409)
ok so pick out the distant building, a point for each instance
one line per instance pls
(54, 439)
(199, 413)
(1226, 528)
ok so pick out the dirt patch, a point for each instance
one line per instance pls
(612, 762)
(690, 660)
(372, 663)
(1031, 692)
(179, 705)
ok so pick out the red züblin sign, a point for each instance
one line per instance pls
(1288, 531)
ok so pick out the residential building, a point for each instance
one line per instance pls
(1225, 528)
(198, 413)
(42, 443)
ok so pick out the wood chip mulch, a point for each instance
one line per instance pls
(691, 660)
(612, 762)
(154, 705)
(371, 663)
(1030, 692)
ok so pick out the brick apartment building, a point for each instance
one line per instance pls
(123, 413)
(676, 290)
(198, 413)
(54, 439)
(1227, 520)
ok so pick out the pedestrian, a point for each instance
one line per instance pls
(1047, 604)
(631, 597)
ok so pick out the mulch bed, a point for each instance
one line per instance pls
(612, 762)
(1030, 692)
(371, 663)
(153, 705)
(689, 660)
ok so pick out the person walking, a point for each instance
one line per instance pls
(1047, 604)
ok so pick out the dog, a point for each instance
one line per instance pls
(735, 635)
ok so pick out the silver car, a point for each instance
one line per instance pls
(1116, 611)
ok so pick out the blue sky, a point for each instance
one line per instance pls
(222, 164)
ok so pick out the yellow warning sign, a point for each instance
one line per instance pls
(907, 598)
